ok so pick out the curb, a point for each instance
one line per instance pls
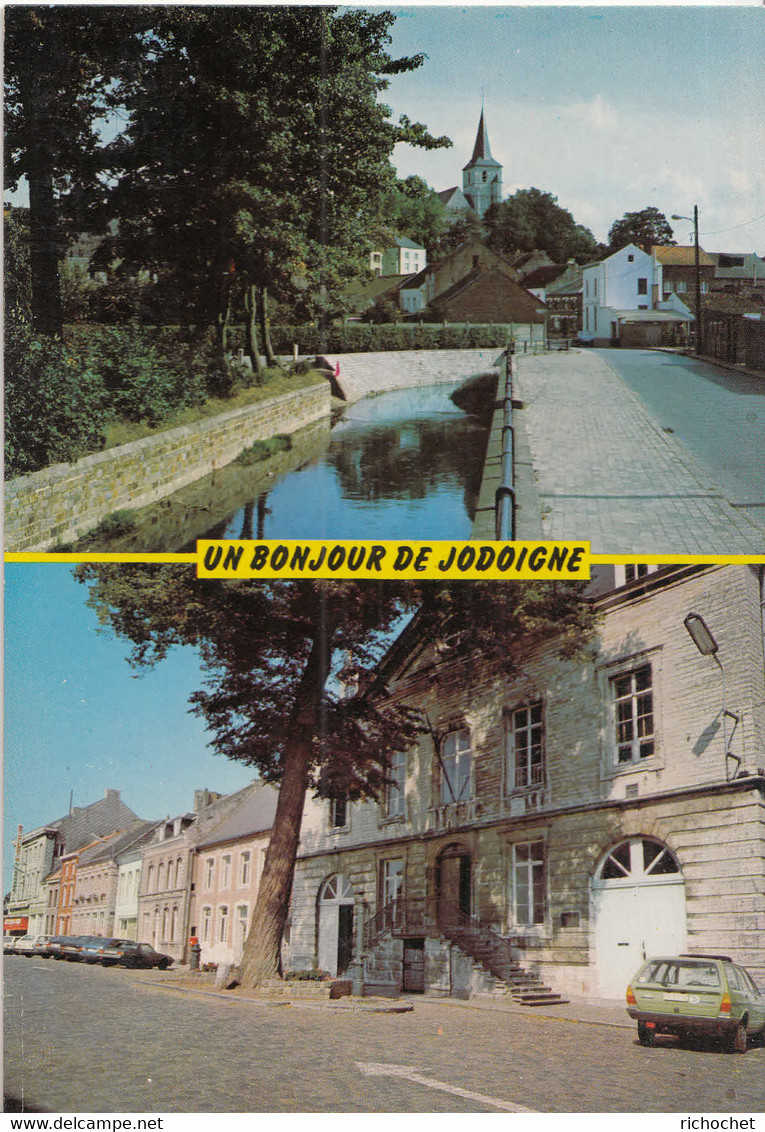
(353, 1007)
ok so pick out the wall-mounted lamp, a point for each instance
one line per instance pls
(701, 635)
(702, 638)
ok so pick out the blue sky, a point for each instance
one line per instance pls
(77, 718)
(611, 109)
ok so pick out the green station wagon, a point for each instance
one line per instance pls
(696, 994)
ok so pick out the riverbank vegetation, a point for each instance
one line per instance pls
(198, 168)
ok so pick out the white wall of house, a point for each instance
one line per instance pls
(622, 281)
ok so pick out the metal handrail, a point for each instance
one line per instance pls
(504, 497)
(405, 917)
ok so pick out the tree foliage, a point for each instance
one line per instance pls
(533, 220)
(414, 210)
(645, 229)
(258, 169)
(273, 655)
(62, 72)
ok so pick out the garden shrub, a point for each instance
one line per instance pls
(55, 405)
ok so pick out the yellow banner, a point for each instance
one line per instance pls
(408, 561)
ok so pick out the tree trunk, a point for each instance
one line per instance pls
(43, 227)
(251, 330)
(265, 327)
(224, 314)
(261, 959)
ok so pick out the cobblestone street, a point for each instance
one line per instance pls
(606, 471)
(81, 1039)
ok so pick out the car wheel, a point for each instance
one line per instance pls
(162, 965)
(646, 1037)
(736, 1041)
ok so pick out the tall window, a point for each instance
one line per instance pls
(633, 714)
(209, 872)
(526, 752)
(206, 920)
(392, 880)
(223, 924)
(150, 879)
(338, 813)
(244, 868)
(226, 877)
(242, 920)
(395, 797)
(642, 286)
(160, 876)
(529, 883)
(456, 767)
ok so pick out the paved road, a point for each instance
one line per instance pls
(718, 414)
(92, 1040)
(606, 470)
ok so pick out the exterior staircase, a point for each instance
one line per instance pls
(494, 954)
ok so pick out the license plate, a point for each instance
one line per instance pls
(676, 996)
(110, 954)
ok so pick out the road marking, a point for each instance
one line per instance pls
(376, 1069)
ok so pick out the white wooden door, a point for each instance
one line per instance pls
(639, 911)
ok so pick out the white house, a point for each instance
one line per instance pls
(622, 302)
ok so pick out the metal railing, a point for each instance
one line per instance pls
(399, 917)
(504, 497)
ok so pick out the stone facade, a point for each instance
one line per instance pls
(606, 807)
(60, 503)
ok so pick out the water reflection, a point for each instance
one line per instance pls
(401, 465)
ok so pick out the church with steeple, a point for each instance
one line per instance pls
(481, 177)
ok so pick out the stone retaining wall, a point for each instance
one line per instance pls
(363, 374)
(60, 503)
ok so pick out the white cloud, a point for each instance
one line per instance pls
(597, 114)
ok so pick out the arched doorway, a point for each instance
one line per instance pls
(335, 924)
(453, 885)
(638, 899)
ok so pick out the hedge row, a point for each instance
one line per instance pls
(364, 338)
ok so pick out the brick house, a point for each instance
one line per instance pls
(96, 886)
(489, 295)
(563, 818)
(676, 272)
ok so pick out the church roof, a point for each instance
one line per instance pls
(482, 149)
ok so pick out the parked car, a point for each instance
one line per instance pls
(130, 954)
(43, 946)
(72, 946)
(9, 943)
(55, 945)
(32, 944)
(696, 994)
(93, 950)
(24, 945)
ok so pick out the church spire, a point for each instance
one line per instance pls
(482, 176)
(482, 149)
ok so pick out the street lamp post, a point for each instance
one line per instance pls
(698, 272)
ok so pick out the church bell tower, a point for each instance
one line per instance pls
(482, 176)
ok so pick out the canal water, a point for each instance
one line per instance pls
(400, 465)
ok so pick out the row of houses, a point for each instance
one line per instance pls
(630, 298)
(573, 813)
(162, 882)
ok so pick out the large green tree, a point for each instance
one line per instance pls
(412, 209)
(256, 152)
(62, 69)
(273, 655)
(644, 228)
(533, 220)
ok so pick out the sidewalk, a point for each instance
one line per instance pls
(591, 1011)
(592, 464)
